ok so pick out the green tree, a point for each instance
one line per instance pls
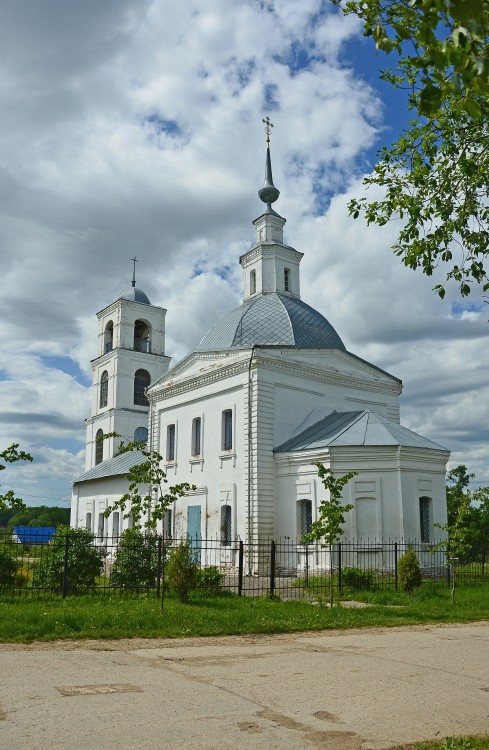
(151, 502)
(85, 562)
(10, 455)
(136, 562)
(467, 524)
(328, 528)
(41, 515)
(435, 178)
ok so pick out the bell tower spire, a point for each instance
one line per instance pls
(270, 267)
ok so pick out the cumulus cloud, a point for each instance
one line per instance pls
(135, 128)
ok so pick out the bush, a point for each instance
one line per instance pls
(359, 580)
(181, 570)
(8, 563)
(85, 562)
(210, 580)
(136, 562)
(408, 571)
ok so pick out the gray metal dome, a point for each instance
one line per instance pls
(133, 294)
(274, 319)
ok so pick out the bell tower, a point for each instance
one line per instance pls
(131, 355)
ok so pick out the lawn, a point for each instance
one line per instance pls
(117, 616)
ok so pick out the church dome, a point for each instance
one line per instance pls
(133, 294)
(272, 319)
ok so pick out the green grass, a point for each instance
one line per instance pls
(450, 743)
(114, 616)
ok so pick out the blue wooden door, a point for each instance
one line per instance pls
(193, 529)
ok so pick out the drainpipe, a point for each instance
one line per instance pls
(250, 441)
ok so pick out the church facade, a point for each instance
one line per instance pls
(270, 390)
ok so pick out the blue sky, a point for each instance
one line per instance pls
(134, 127)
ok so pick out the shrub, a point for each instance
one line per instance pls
(136, 562)
(85, 562)
(181, 570)
(210, 580)
(8, 563)
(408, 571)
(359, 580)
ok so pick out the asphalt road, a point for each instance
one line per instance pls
(340, 690)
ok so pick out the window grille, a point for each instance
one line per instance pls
(170, 442)
(227, 430)
(142, 380)
(104, 389)
(424, 518)
(305, 517)
(226, 525)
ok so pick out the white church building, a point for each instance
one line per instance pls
(270, 390)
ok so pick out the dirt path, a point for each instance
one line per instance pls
(341, 690)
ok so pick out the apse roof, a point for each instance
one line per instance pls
(355, 428)
(113, 467)
(273, 319)
(133, 294)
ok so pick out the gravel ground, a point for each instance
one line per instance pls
(338, 690)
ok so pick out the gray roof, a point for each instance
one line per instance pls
(272, 319)
(355, 428)
(113, 467)
(133, 294)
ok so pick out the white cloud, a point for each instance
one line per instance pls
(135, 128)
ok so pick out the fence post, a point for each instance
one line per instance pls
(64, 587)
(158, 569)
(307, 565)
(272, 570)
(240, 567)
(396, 580)
(340, 585)
(162, 579)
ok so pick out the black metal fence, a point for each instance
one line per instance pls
(78, 563)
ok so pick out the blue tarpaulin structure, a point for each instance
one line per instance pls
(34, 534)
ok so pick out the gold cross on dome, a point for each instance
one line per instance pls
(268, 127)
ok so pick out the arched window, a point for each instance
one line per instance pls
(109, 337)
(424, 519)
(142, 336)
(253, 282)
(304, 517)
(99, 447)
(141, 382)
(104, 389)
(287, 279)
(226, 525)
(141, 434)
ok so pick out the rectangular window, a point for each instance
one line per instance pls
(115, 528)
(88, 522)
(227, 430)
(167, 524)
(196, 435)
(101, 526)
(424, 518)
(170, 442)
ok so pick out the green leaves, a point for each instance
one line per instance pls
(10, 455)
(147, 497)
(435, 176)
(329, 526)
